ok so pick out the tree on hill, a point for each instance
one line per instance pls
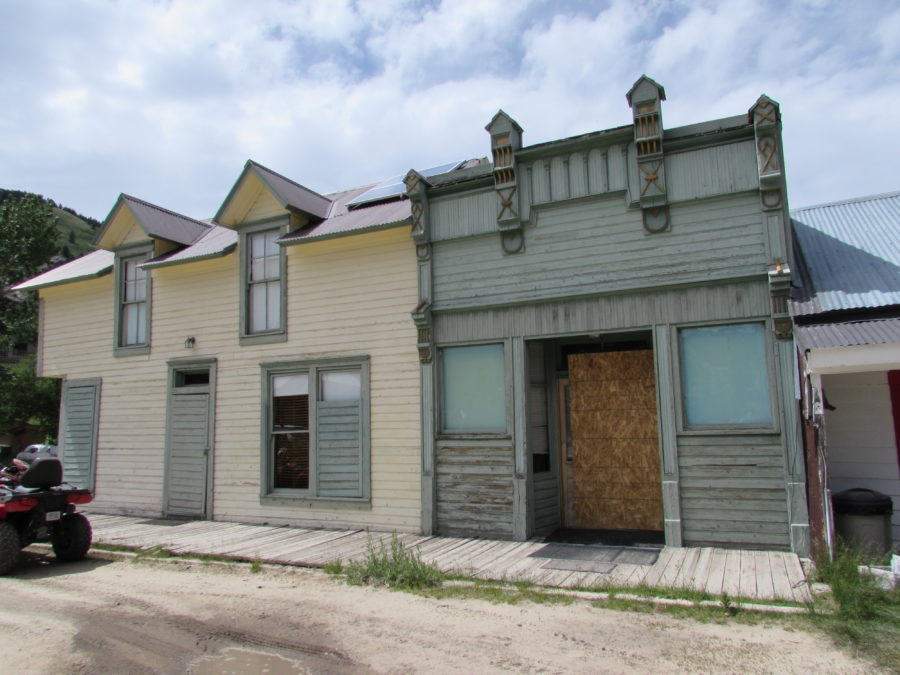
(28, 241)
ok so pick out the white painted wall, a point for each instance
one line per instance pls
(860, 439)
(346, 297)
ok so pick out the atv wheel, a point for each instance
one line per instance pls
(9, 547)
(72, 538)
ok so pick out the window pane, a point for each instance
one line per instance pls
(257, 245)
(271, 248)
(340, 386)
(474, 385)
(291, 460)
(134, 324)
(257, 308)
(273, 305)
(290, 385)
(724, 375)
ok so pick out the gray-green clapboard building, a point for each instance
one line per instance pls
(603, 335)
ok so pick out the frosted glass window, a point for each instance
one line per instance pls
(340, 385)
(474, 388)
(724, 377)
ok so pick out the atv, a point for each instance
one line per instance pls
(36, 505)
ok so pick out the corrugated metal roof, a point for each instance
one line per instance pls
(165, 224)
(848, 334)
(216, 242)
(343, 221)
(849, 254)
(89, 266)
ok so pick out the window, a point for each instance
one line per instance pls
(474, 389)
(262, 280)
(132, 324)
(316, 427)
(725, 376)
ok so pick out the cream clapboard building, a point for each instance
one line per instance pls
(261, 368)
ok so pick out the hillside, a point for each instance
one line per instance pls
(77, 232)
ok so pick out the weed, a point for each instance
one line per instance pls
(858, 612)
(334, 567)
(255, 566)
(397, 567)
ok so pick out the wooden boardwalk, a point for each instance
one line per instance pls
(760, 575)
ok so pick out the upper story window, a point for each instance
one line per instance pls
(262, 279)
(132, 305)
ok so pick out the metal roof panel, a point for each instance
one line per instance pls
(848, 334)
(90, 266)
(216, 242)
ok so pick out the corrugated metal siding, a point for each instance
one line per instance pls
(853, 333)
(851, 251)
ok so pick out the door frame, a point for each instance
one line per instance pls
(177, 367)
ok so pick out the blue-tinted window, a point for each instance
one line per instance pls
(724, 377)
(474, 388)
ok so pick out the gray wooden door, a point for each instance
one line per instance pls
(78, 431)
(189, 446)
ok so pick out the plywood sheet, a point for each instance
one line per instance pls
(615, 471)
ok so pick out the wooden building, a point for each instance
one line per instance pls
(604, 336)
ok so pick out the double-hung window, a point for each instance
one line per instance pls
(262, 281)
(725, 379)
(132, 323)
(315, 425)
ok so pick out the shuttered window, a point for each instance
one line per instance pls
(317, 430)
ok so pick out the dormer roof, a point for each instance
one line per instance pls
(292, 196)
(155, 221)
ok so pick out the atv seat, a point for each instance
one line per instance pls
(44, 472)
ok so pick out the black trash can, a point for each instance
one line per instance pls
(862, 520)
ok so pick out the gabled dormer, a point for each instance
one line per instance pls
(137, 232)
(260, 194)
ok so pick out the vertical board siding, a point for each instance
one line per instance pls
(733, 492)
(607, 312)
(710, 172)
(454, 217)
(339, 461)
(599, 247)
(78, 433)
(474, 490)
(544, 493)
(346, 297)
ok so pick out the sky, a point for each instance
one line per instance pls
(166, 100)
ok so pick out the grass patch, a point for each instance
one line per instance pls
(857, 613)
(396, 567)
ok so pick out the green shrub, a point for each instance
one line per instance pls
(397, 567)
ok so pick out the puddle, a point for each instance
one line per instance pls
(243, 661)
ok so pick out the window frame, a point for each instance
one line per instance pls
(682, 425)
(140, 252)
(313, 368)
(278, 224)
(440, 425)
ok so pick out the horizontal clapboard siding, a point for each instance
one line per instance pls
(732, 492)
(475, 490)
(607, 312)
(346, 297)
(339, 460)
(599, 247)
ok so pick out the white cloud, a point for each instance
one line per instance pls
(167, 100)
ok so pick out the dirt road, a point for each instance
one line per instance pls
(122, 617)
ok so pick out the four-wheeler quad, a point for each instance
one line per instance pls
(35, 505)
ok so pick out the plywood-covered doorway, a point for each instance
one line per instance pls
(609, 443)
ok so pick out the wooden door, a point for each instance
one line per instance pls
(613, 479)
(188, 465)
